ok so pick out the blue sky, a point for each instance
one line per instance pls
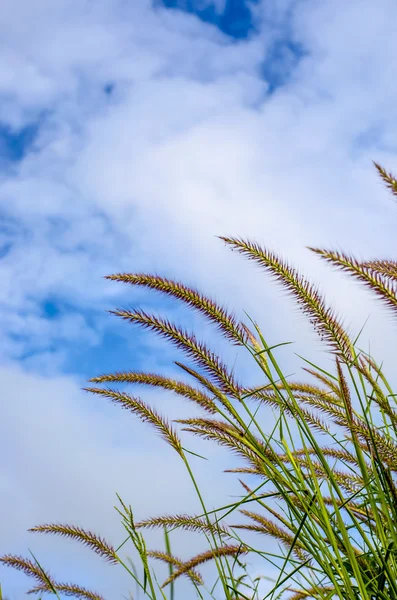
(131, 134)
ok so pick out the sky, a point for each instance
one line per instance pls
(132, 133)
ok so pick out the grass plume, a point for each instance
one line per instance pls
(325, 473)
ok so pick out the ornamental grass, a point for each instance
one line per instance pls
(326, 487)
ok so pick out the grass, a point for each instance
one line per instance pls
(326, 474)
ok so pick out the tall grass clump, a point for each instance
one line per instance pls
(326, 473)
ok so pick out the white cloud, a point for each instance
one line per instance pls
(187, 146)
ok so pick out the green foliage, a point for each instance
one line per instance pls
(326, 474)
